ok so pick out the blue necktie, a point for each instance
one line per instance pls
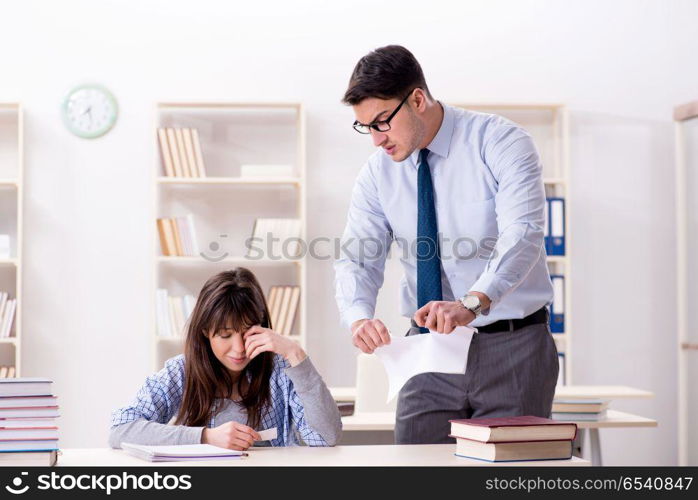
(428, 253)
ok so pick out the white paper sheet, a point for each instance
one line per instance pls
(267, 434)
(406, 357)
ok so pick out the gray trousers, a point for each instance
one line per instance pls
(509, 373)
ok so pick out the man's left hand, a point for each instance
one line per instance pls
(443, 316)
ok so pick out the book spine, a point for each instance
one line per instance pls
(165, 153)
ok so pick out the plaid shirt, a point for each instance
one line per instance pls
(161, 396)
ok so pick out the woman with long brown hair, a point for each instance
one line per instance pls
(235, 378)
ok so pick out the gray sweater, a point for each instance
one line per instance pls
(319, 406)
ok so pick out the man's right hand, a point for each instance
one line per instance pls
(369, 334)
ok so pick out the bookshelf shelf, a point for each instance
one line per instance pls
(225, 203)
(231, 180)
(548, 125)
(11, 223)
(242, 261)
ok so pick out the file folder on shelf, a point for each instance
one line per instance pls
(557, 226)
(546, 227)
(557, 308)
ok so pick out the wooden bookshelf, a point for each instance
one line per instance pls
(225, 204)
(11, 222)
(686, 146)
(548, 125)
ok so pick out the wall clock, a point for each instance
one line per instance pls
(89, 111)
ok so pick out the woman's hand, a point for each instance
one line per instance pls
(259, 339)
(231, 435)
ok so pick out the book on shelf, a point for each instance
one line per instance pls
(555, 231)
(7, 371)
(279, 237)
(28, 430)
(283, 306)
(172, 313)
(186, 172)
(579, 417)
(586, 410)
(561, 377)
(178, 236)
(180, 151)
(266, 170)
(580, 405)
(8, 307)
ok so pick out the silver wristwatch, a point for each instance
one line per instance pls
(472, 303)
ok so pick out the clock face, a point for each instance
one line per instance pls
(89, 111)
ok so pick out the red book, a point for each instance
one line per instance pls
(513, 429)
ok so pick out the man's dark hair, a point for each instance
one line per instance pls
(386, 73)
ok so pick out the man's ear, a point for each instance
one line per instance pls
(419, 100)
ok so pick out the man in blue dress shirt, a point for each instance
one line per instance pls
(461, 195)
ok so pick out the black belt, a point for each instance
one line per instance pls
(508, 325)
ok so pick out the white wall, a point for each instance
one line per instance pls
(617, 64)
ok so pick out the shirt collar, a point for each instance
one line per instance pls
(441, 143)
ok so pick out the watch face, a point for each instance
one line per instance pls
(89, 111)
(472, 302)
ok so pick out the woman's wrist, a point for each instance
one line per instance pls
(296, 356)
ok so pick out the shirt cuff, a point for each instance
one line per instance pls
(354, 313)
(490, 285)
(191, 435)
(304, 375)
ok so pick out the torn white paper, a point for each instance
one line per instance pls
(267, 434)
(406, 357)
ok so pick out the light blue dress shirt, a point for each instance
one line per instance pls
(490, 205)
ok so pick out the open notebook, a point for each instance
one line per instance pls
(180, 452)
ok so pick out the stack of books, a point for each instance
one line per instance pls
(172, 313)
(178, 236)
(513, 439)
(283, 305)
(579, 409)
(28, 431)
(7, 314)
(180, 150)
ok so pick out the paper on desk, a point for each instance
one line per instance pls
(406, 357)
(268, 434)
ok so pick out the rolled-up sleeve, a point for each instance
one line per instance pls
(520, 207)
(365, 242)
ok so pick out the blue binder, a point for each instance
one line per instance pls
(561, 374)
(546, 226)
(557, 226)
(557, 308)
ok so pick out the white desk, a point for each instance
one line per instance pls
(385, 422)
(387, 455)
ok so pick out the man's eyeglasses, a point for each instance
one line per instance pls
(380, 126)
